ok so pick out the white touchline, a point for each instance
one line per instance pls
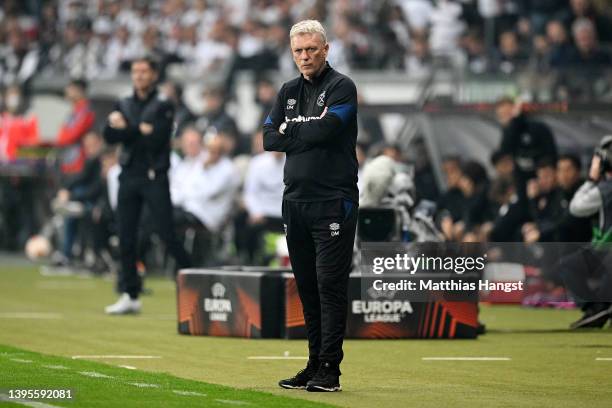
(112, 356)
(276, 358)
(144, 385)
(466, 358)
(27, 403)
(603, 359)
(232, 402)
(93, 374)
(189, 393)
(56, 367)
(30, 315)
(20, 360)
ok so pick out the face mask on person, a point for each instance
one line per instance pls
(12, 102)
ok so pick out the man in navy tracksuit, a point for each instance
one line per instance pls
(314, 121)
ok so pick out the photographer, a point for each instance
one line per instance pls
(581, 268)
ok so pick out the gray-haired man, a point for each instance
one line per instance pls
(314, 121)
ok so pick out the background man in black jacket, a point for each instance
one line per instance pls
(142, 123)
(314, 120)
(526, 140)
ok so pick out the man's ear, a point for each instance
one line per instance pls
(326, 49)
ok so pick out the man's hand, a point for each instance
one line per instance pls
(533, 189)
(256, 219)
(595, 170)
(531, 232)
(518, 108)
(116, 120)
(63, 196)
(146, 128)
(282, 127)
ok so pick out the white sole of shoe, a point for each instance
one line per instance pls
(316, 388)
(291, 387)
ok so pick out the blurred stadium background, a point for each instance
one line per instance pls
(430, 75)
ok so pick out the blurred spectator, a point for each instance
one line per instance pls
(418, 62)
(446, 27)
(561, 49)
(589, 55)
(103, 218)
(263, 191)
(478, 61)
(477, 210)
(450, 203)
(265, 97)
(122, 49)
(526, 140)
(18, 59)
(545, 206)
(215, 115)
(84, 188)
(510, 57)
(571, 228)
(584, 9)
(509, 215)
(79, 122)
(207, 193)
(173, 91)
(503, 164)
(16, 128)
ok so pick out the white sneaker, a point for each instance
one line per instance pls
(124, 305)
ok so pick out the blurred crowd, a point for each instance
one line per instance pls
(98, 38)
(225, 189)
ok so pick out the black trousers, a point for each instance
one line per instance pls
(320, 237)
(587, 273)
(134, 192)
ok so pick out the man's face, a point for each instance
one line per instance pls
(453, 173)
(215, 149)
(92, 145)
(504, 113)
(72, 93)
(191, 143)
(143, 76)
(585, 39)
(309, 53)
(547, 179)
(567, 174)
(505, 166)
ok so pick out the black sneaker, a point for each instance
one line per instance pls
(594, 318)
(327, 379)
(299, 381)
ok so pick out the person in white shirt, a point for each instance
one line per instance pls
(262, 197)
(203, 188)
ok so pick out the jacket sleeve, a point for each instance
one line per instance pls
(112, 135)
(273, 140)
(587, 201)
(341, 110)
(72, 131)
(162, 120)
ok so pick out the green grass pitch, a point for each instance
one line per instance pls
(62, 317)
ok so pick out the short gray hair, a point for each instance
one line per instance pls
(308, 27)
(583, 24)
